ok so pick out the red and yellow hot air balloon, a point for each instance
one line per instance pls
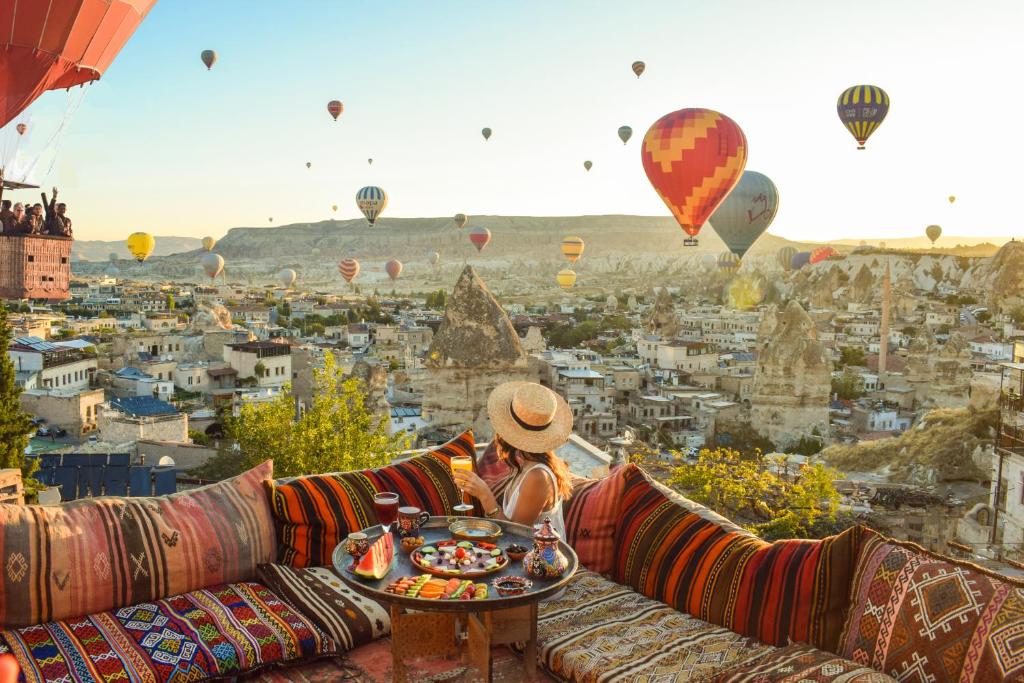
(693, 158)
(572, 248)
(334, 108)
(821, 253)
(348, 268)
(480, 237)
(57, 44)
(393, 268)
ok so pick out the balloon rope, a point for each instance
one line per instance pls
(72, 109)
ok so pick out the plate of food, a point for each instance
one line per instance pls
(459, 558)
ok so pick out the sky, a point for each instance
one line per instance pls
(163, 145)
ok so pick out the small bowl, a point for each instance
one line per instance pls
(474, 529)
(516, 552)
(510, 586)
(410, 543)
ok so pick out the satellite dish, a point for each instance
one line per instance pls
(166, 461)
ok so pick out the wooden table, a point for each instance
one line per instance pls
(422, 627)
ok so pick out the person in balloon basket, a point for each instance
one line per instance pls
(20, 220)
(36, 219)
(530, 421)
(57, 221)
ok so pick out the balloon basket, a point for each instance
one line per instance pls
(690, 242)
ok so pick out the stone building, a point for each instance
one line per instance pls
(75, 411)
(475, 349)
(792, 381)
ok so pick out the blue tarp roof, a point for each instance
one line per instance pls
(131, 373)
(143, 406)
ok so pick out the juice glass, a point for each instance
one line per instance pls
(386, 506)
(462, 462)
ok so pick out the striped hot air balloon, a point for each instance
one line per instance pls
(785, 257)
(334, 108)
(393, 268)
(460, 220)
(638, 68)
(371, 200)
(862, 108)
(209, 58)
(572, 248)
(821, 253)
(693, 158)
(480, 237)
(625, 133)
(728, 262)
(566, 278)
(348, 268)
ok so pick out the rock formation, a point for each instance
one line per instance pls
(663, 320)
(474, 350)
(534, 342)
(790, 394)
(940, 374)
(374, 377)
(1000, 279)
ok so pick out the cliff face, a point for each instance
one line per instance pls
(1001, 278)
(940, 374)
(663, 319)
(792, 381)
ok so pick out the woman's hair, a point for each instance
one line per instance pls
(516, 458)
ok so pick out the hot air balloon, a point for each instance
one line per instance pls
(746, 212)
(315, 252)
(708, 262)
(638, 68)
(566, 278)
(952, 198)
(371, 200)
(728, 262)
(821, 253)
(434, 258)
(348, 268)
(370, 162)
(588, 164)
(209, 58)
(309, 164)
(393, 268)
(60, 44)
(21, 128)
(625, 133)
(112, 271)
(270, 219)
(862, 108)
(800, 259)
(785, 257)
(112, 257)
(334, 108)
(486, 132)
(460, 220)
(933, 232)
(480, 237)
(141, 245)
(209, 243)
(286, 276)
(691, 172)
(572, 248)
(212, 265)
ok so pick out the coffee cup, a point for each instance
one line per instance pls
(410, 519)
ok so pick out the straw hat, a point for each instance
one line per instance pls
(529, 417)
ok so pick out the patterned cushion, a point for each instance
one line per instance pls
(922, 617)
(600, 631)
(673, 550)
(803, 664)
(59, 562)
(347, 617)
(591, 515)
(221, 631)
(317, 512)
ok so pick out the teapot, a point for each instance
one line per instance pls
(546, 560)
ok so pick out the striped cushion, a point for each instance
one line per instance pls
(348, 618)
(597, 630)
(94, 555)
(316, 512)
(221, 631)
(675, 551)
(802, 664)
(591, 515)
(923, 617)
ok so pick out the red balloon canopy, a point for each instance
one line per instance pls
(53, 44)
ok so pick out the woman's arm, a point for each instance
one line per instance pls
(535, 495)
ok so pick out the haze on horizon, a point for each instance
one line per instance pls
(162, 145)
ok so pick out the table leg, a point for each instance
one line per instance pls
(480, 628)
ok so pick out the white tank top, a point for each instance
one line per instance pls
(554, 512)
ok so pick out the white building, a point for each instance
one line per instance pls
(269, 363)
(42, 365)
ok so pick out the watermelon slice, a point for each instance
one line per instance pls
(376, 563)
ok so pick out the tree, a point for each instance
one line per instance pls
(338, 433)
(848, 386)
(260, 369)
(170, 302)
(1016, 315)
(15, 424)
(742, 438)
(852, 355)
(944, 328)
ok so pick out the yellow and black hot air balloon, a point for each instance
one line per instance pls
(572, 248)
(566, 278)
(141, 245)
(862, 108)
(460, 220)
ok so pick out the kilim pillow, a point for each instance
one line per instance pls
(316, 512)
(801, 664)
(348, 618)
(922, 617)
(94, 555)
(591, 515)
(676, 551)
(222, 631)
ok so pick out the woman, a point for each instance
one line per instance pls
(530, 422)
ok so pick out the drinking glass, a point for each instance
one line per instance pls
(386, 506)
(462, 462)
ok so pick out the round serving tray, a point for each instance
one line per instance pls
(415, 556)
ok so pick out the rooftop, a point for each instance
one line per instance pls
(143, 406)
